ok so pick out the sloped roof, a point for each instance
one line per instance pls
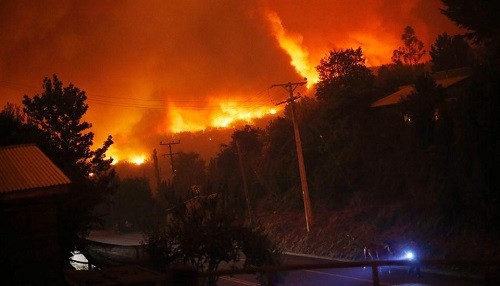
(25, 167)
(444, 79)
(396, 97)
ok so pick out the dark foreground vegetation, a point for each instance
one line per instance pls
(423, 168)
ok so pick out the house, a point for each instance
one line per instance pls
(427, 131)
(447, 79)
(30, 185)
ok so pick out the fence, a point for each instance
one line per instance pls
(188, 276)
(269, 271)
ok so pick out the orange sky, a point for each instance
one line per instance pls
(152, 67)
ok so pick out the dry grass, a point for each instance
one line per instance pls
(343, 234)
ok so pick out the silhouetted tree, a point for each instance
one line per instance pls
(392, 76)
(190, 174)
(133, 204)
(13, 129)
(482, 101)
(244, 150)
(481, 19)
(345, 92)
(56, 116)
(411, 52)
(342, 72)
(279, 164)
(449, 52)
(248, 140)
(221, 170)
(248, 145)
(203, 235)
(478, 16)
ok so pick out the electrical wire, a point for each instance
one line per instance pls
(253, 104)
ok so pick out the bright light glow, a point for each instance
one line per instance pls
(409, 255)
(376, 50)
(292, 44)
(226, 113)
(231, 113)
(181, 121)
(138, 160)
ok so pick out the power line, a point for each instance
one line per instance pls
(290, 87)
(250, 105)
(151, 103)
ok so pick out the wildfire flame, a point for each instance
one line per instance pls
(292, 44)
(138, 160)
(133, 158)
(226, 114)
(230, 113)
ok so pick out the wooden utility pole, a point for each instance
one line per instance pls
(245, 184)
(157, 170)
(171, 155)
(290, 87)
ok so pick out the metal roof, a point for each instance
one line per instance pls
(24, 167)
(444, 79)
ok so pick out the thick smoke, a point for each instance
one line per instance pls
(146, 64)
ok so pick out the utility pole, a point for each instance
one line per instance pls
(157, 170)
(171, 155)
(290, 87)
(245, 184)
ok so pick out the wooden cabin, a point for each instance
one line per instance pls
(29, 186)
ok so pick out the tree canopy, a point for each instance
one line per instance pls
(412, 50)
(56, 118)
(190, 174)
(449, 52)
(133, 204)
(12, 126)
(342, 71)
(480, 17)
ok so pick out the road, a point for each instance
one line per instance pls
(318, 277)
(350, 276)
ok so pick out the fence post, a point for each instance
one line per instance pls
(376, 281)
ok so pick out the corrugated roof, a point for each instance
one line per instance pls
(24, 167)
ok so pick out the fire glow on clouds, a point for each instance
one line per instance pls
(154, 67)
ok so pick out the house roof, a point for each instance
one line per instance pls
(445, 79)
(25, 167)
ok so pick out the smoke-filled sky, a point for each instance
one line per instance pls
(151, 67)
